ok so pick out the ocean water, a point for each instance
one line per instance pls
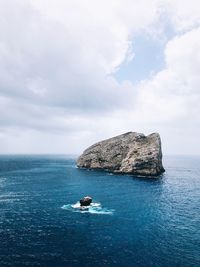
(134, 221)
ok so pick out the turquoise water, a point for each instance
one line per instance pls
(135, 222)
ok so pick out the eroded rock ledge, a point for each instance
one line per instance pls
(129, 153)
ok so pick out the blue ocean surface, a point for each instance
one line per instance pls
(134, 222)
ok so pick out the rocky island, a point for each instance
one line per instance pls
(86, 201)
(129, 153)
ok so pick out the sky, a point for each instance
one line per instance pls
(79, 71)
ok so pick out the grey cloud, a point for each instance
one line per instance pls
(43, 65)
(57, 61)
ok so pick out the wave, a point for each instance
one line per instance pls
(94, 208)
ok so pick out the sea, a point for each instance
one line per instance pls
(133, 221)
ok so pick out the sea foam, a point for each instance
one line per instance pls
(94, 208)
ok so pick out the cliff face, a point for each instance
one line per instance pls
(130, 153)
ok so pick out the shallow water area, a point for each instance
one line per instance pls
(133, 221)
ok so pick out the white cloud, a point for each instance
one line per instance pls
(184, 14)
(170, 100)
(57, 65)
(175, 88)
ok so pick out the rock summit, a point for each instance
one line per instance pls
(86, 201)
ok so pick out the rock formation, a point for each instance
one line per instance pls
(129, 153)
(86, 201)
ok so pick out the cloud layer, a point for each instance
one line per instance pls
(58, 59)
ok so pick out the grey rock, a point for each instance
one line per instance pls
(129, 153)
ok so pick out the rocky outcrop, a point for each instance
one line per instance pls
(130, 153)
(86, 201)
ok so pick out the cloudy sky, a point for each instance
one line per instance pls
(73, 72)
